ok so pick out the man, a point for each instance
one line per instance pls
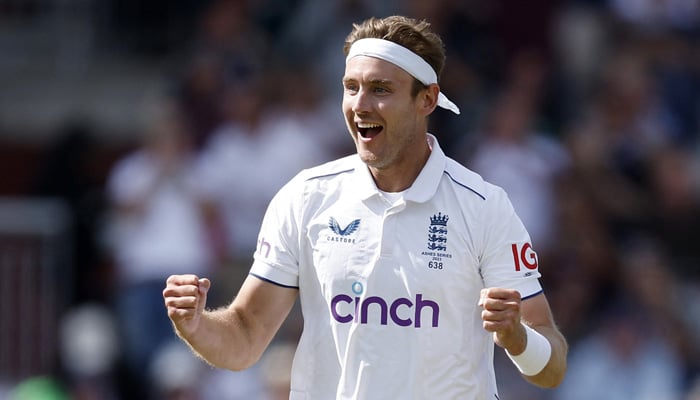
(408, 266)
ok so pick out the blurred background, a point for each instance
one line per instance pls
(140, 139)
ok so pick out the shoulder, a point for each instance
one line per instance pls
(329, 171)
(470, 181)
(312, 187)
(310, 180)
(490, 202)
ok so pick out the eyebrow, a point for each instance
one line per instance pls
(381, 81)
(377, 81)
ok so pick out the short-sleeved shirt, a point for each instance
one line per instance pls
(389, 292)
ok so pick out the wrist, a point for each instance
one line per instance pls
(517, 341)
(536, 354)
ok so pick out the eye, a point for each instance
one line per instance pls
(381, 90)
(350, 87)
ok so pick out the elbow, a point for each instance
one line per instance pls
(558, 367)
(555, 372)
(548, 379)
(242, 360)
(555, 380)
(240, 365)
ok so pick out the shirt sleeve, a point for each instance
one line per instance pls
(276, 257)
(508, 259)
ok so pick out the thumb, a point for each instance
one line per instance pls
(203, 287)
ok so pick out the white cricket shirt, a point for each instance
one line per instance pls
(389, 293)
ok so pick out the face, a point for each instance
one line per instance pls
(386, 122)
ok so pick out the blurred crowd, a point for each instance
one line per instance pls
(586, 112)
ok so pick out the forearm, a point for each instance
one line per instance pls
(224, 340)
(555, 369)
(233, 337)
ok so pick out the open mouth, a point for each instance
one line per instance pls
(368, 130)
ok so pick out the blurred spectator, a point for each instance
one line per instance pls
(580, 44)
(474, 63)
(596, 141)
(228, 48)
(314, 32)
(613, 141)
(622, 360)
(159, 226)
(254, 152)
(511, 153)
(584, 269)
(298, 105)
(199, 94)
(649, 277)
(230, 167)
(677, 77)
(675, 191)
(89, 349)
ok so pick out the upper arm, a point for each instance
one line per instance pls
(535, 311)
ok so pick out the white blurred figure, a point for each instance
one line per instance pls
(581, 42)
(176, 372)
(248, 159)
(89, 348)
(159, 226)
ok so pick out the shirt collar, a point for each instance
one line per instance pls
(423, 188)
(364, 183)
(426, 184)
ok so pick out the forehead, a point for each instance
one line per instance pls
(372, 68)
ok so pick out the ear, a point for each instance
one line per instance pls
(428, 99)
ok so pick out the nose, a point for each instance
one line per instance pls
(361, 102)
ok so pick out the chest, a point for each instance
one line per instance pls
(369, 249)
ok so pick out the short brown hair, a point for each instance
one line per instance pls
(410, 33)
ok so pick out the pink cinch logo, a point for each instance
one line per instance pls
(402, 311)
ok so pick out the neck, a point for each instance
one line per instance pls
(402, 174)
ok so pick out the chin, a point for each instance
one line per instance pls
(367, 157)
(372, 160)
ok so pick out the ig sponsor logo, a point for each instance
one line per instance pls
(524, 255)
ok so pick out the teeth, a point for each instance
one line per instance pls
(363, 125)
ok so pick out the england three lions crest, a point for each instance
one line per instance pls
(437, 232)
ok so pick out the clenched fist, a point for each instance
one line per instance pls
(185, 298)
(501, 315)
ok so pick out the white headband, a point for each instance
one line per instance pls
(402, 58)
